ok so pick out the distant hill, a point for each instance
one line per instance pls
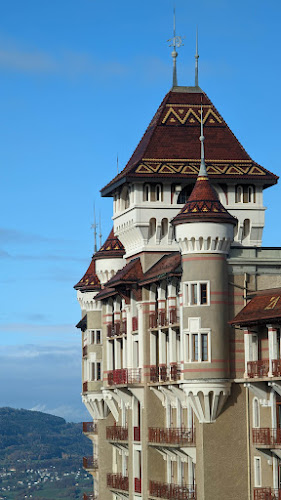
(41, 457)
(34, 435)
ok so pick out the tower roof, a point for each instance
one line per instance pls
(112, 248)
(169, 149)
(203, 205)
(90, 281)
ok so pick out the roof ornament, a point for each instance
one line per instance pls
(100, 234)
(203, 170)
(94, 227)
(196, 60)
(176, 42)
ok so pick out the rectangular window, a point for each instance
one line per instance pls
(195, 347)
(197, 293)
(257, 470)
(93, 371)
(204, 347)
(98, 337)
(98, 371)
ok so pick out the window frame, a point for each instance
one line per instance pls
(189, 346)
(189, 286)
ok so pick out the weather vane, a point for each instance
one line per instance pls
(176, 43)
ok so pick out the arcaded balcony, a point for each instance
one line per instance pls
(258, 369)
(123, 327)
(172, 491)
(90, 428)
(161, 319)
(137, 485)
(173, 316)
(267, 437)
(90, 496)
(267, 494)
(165, 373)
(135, 325)
(90, 463)
(114, 330)
(177, 436)
(124, 376)
(117, 433)
(118, 482)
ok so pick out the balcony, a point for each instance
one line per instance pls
(124, 376)
(267, 494)
(165, 373)
(90, 428)
(174, 318)
(90, 496)
(267, 437)
(178, 436)
(172, 491)
(276, 367)
(85, 387)
(117, 433)
(258, 369)
(137, 433)
(90, 463)
(118, 482)
(137, 485)
(85, 351)
(114, 330)
(135, 325)
(160, 319)
(123, 327)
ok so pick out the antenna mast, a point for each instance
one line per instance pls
(196, 60)
(176, 42)
(100, 235)
(94, 227)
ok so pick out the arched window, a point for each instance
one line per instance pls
(164, 227)
(251, 194)
(125, 198)
(246, 228)
(239, 194)
(158, 192)
(146, 192)
(256, 413)
(152, 227)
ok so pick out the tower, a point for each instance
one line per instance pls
(181, 351)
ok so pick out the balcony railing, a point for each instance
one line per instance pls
(172, 491)
(123, 327)
(85, 387)
(85, 351)
(90, 463)
(114, 330)
(258, 368)
(118, 482)
(165, 373)
(137, 485)
(267, 436)
(173, 436)
(124, 376)
(117, 433)
(267, 494)
(276, 367)
(90, 428)
(135, 325)
(174, 318)
(90, 496)
(136, 433)
(159, 319)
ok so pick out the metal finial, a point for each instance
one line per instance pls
(94, 227)
(117, 165)
(203, 170)
(100, 234)
(176, 42)
(196, 60)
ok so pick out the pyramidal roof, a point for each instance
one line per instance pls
(90, 281)
(170, 148)
(203, 205)
(112, 248)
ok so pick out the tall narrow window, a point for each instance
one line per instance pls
(146, 192)
(98, 370)
(98, 337)
(257, 470)
(256, 413)
(158, 192)
(246, 228)
(239, 194)
(195, 347)
(164, 227)
(203, 293)
(193, 294)
(204, 347)
(152, 227)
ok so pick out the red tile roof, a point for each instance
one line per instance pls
(203, 205)
(129, 274)
(90, 281)
(170, 147)
(263, 308)
(112, 248)
(105, 293)
(167, 265)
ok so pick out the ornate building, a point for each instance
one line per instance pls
(181, 312)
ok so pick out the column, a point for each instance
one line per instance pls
(249, 351)
(272, 348)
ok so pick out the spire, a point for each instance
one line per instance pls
(196, 60)
(176, 42)
(100, 235)
(94, 227)
(202, 171)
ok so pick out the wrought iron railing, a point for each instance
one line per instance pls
(267, 494)
(117, 433)
(135, 325)
(172, 491)
(85, 351)
(124, 376)
(137, 433)
(165, 373)
(118, 482)
(85, 386)
(181, 436)
(267, 436)
(90, 428)
(90, 463)
(258, 368)
(276, 367)
(90, 496)
(174, 318)
(137, 485)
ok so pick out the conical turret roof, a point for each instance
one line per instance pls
(90, 281)
(112, 248)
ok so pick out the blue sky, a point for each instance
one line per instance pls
(80, 81)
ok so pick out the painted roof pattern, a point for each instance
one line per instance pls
(90, 281)
(203, 205)
(112, 248)
(264, 307)
(170, 148)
